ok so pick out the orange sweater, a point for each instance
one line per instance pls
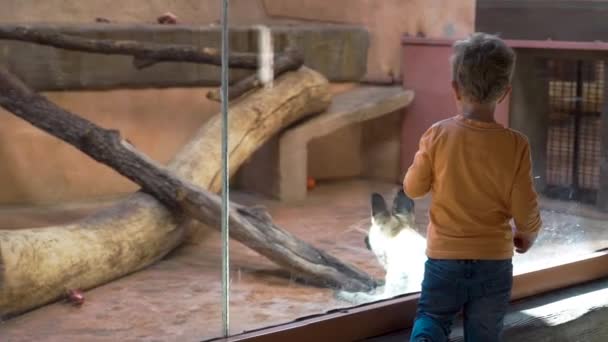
(480, 177)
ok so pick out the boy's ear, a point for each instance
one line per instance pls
(504, 96)
(456, 90)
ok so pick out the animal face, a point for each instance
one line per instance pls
(390, 227)
(390, 223)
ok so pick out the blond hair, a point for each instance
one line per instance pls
(482, 66)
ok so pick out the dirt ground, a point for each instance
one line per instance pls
(178, 299)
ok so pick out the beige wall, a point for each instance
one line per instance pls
(37, 168)
(83, 11)
(386, 20)
(372, 149)
(40, 169)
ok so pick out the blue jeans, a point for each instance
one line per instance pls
(481, 289)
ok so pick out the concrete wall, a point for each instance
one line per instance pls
(45, 68)
(387, 20)
(140, 11)
(38, 168)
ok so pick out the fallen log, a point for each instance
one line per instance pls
(38, 265)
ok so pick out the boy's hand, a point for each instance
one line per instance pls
(523, 242)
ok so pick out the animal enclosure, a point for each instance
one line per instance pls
(318, 225)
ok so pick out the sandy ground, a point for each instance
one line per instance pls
(178, 299)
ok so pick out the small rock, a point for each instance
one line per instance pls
(167, 19)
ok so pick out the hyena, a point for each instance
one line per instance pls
(399, 248)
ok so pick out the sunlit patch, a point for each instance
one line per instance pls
(565, 237)
(570, 308)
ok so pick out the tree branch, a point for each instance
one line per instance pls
(292, 60)
(148, 52)
(248, 226)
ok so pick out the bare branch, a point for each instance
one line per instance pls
(292, 60)
(139, 50)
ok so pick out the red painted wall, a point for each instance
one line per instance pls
(426, 70)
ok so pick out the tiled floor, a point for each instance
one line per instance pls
(178, 299)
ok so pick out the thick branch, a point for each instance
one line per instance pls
(143, 53)
(248, 226)
(148, 54)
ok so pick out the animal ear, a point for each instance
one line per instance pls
(402, 204)
(379, 208)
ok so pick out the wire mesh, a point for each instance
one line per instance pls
(574, 116)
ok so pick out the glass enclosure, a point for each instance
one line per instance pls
(326, 104)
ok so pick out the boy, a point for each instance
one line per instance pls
(480, 177)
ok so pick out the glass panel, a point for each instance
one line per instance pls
(69, 223)
(329, 143)
(571, 92)
(317, 157)
(329, 173)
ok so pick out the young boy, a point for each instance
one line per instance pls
(480, 177)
